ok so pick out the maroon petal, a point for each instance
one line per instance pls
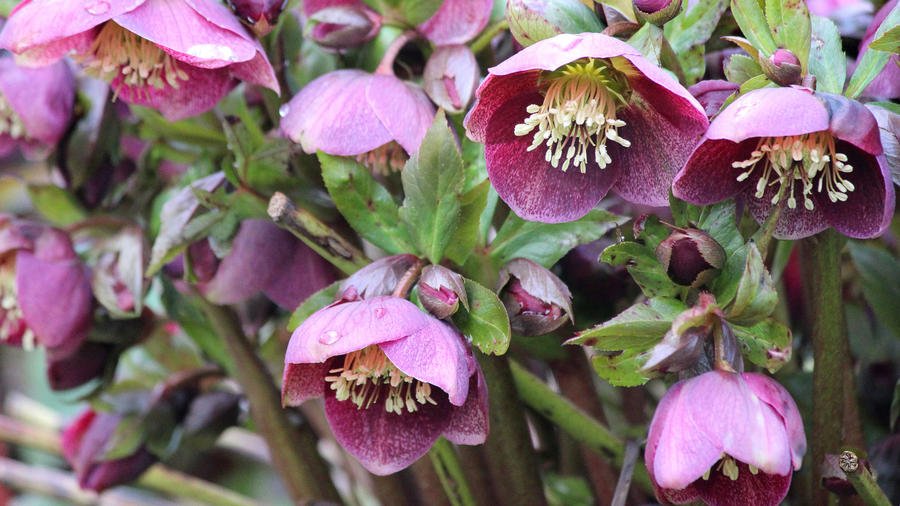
(83, 365)
(659, 89)
(758, 489)
(457, 21)
(531, 187)
(868, 209)
(116, 472)
(73, 434)
(494, 92)
(470, 423)
(200, 93)
(299, 276)
(711, 162)
(385, 442)
(852, 122)
(712, 94)
(792, 223)
(761, 113)
(302, 382)
(403, 109)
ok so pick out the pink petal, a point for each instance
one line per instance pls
(470, 423)
(457, 21)
(74, 433)
(761, 113)
(51, 52)
(302, 382)
(403, 109)
(773, 394)
(552, 53)
(852, 122)
(451, 76)
(493, 93)
(200, 93)
(712, 94)
(257, 71)
(299, 276)
(42, 98)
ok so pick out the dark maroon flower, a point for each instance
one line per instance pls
(817, 153)
(262, 15)
(571, 117)
(690, 257)
(86, 363)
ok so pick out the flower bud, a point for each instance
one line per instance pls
(690, 257)
(261, 15)
(536, 300)
(683, 345)
(343, 26)
(378, 278)
(658, 12)
(783, 67)
(441, 290)
(533, 20)
(451, 76)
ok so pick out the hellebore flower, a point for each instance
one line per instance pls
(457, 21)
(377, 118)
(45, 290)
(262, 15)
(394, 380)
(712, 94)
(725, 438)
(35, 106)
(886, 84)
(823, 161)
(340, 24)
(84, 444)
(177, 56)
(571, 117)
(536, 300)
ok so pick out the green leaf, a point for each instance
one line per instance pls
(752, 21)
(760, 81)
(417, 12)
(56, 205)
(125, 440)
(720, 222)
(874, 60)
(366, 205)
(889, 41)
(827, 60)
(766, 344)
(725, 286)
(312, 304)
(741, 68)
(756, 295)
(621, 369)
(879, 278)
(695, 25)
(789, 22)
(648, 40)
(639, 326)
(432, 183)
(465, 237)
(546, 243)
(895, 407)
(485, 323)
(645, 269)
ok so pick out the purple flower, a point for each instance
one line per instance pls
(818, 155)
(178, 56)
(886, 84)
(378, 118)
(725, 438)
(341, 24)
(712, 94)
(571, 117)
(394, 380)
(35, 106)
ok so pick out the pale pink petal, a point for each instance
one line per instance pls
(457, 21)
(552, 53)
(773, 394)
(403, 109)
(42, 98)
(257, 71)
(761, 113)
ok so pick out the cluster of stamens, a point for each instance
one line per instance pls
(368, 374)
(728, 467)
(11, 324)
(796, 162)
(117, 51)
(578, 116)
(385, 159)
(10, 122)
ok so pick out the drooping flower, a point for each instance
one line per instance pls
(178, 56)
(822, 162)
(394, 380)
(886, 84)
(725, 438)
(569, 118)
(35, 106)
(377, 118)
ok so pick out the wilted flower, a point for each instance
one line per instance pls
(823, 162)
(536, 300)
(35, 105)
(886, 84)
(377, 118)
(179, 57)
(340, 24)
(394, 380)
(725, 438)
(571, 117)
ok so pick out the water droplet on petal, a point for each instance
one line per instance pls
(284, 110)
(379, 312)
(330, 337)
(98, 8)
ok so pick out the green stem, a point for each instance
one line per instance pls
(821, 270)
(294, 453)
(862, 480)
(446, 464)
(488, 35)
(578, 424)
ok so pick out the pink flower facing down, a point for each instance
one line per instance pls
(35, 106)
(817, 155)
(377, 118)
(394, 380)
(177, 56)
(725, 439)
(571, 117)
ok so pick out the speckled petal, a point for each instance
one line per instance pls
(492, 94)
(301, 382)
(711, 161)
(760, 489)
(200, 93)
(868, 211)
(470, 423)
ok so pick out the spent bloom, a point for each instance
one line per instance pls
(178, 56)
(571, 117)
(725, 438)
(823, 163)
(394, 379)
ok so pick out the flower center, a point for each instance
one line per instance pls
(384, 159)
(729, 467)
(140, 62)
(368, 374)
(12, 327)
(578, 115)
(796, 162)
(10, 122)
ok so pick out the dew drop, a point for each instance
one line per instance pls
(284, 110)
(330, 337)
(379, 312)
(98, 8)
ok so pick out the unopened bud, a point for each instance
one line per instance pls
(261, 15)
(441, 290)
(451, 76)
(690, 257)
(658, 12)
(533, 20)
(682, 347)
(343, 26)
(783, 67)
(536, 300)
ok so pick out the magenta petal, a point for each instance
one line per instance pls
(531, 187)
(792, 223)
(73, 434)
(493, 93)
(761, 113)
(299, 276)
(869, 209)
(403, 109)
(711, 161)
(200, 93)
(457, 21)
(852, 122)
(257, 71)
(552, 53)
(773, 394)
(302, 382)
(470, 423)
(41, 97)
(385, 442)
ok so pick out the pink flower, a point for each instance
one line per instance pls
(571, 117)
(725, 438)
(378, 118)
(394, 380)
(457, 21)
(822, 151)
(340, 24)
(35, 106)
(178, 56)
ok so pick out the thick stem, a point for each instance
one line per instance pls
(510, 457)
(446, 465)
(821, 270)
(294, 453)
(408, 279)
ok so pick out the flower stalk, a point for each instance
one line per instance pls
(862, 480)
(446, 464)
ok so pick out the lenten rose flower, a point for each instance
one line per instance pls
(823, 163)
(394, 380)
(177, 56)
(377, 118)
(569, 118)
(725, 438)
(457, 21)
